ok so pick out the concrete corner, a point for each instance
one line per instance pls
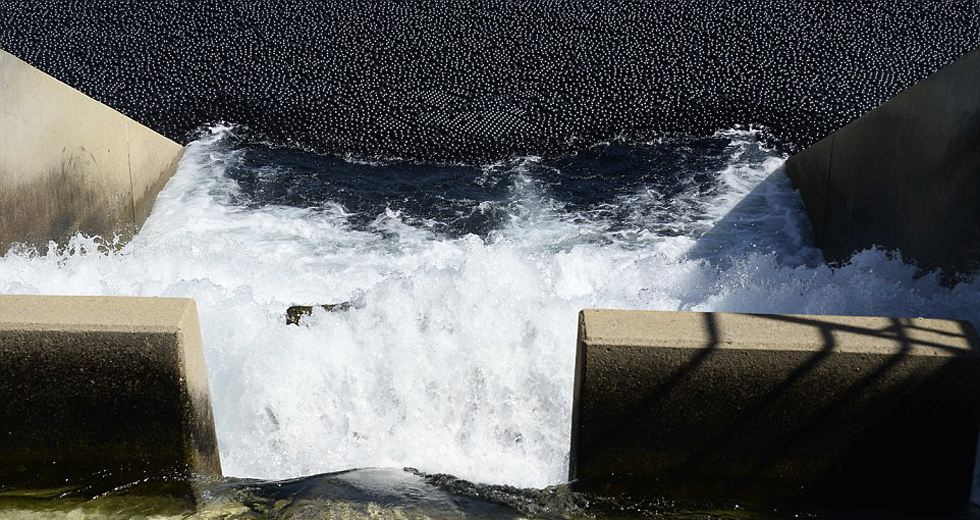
(100, 392)
(767, 408)
(70, 164)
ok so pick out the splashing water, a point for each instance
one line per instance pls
(458, 353)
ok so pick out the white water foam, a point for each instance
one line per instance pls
(458, 357)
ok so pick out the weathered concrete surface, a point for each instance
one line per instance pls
(70, 164)
(904, 176)
(101, 391)
(764, 408)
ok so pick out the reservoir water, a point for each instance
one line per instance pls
(455, 355)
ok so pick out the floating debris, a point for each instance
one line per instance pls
(297, 312)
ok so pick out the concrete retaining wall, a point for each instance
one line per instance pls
(97, 392)
(70, 164)
(841, 410)
(904, 176)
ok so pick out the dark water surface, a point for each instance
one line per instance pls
(456, 200)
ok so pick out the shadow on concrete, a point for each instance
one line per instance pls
(875, 471)
(657, 393)
(891, 426)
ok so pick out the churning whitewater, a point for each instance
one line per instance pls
(457, 353)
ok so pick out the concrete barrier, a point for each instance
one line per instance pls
(904, 176)
(71, 164)
(99, 392)
(764, 409)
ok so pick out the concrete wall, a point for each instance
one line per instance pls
(97, 392)
(69, 163)
(838, 410)
(904, 176)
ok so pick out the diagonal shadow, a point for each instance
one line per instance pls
(785, 442)
(657, 392)
(790, 438)
(713, 445)
(896, 331)
(803, 431)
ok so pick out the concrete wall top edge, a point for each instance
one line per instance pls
(95, 313)
(845, 334)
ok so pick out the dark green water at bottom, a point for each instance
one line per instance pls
(403, 495)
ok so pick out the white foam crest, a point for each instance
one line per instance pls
(537, 222)
(458, 357)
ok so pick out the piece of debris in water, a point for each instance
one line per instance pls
(296, 312)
